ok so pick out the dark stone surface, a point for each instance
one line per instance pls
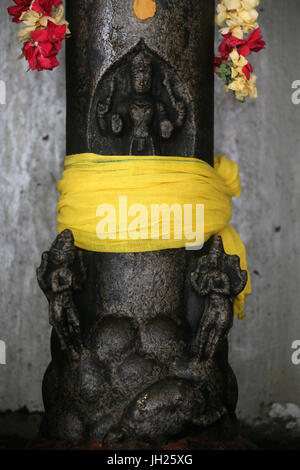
(139, 344)
(140, 107)
(135, 370)
(180, 39)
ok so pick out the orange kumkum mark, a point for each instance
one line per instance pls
(144, 9)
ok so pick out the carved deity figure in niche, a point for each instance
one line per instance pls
(147, 113)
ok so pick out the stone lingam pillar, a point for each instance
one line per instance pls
(139, 340)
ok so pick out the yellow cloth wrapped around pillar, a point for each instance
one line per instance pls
(116, 204)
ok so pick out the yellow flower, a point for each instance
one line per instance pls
(243, 87)
(32, 19)
(240, 16)
(238, 61)
(221, 14)
(240, 84)
(58, 18)
(35, 21)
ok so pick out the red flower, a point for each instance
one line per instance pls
(247, 70)
(217, 62)
(254, 43)
(244, 46)
(56, 33)
(39, 55)
(228, 44)
(40, 6)
(41, 51)
(16, 11)
(45, 6)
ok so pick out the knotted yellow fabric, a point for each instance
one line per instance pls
(117, 203)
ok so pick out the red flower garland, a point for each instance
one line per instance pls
(244, 47)
(44, 41)
(241, 36)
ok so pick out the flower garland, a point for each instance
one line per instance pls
(232, 65)
(45, 29)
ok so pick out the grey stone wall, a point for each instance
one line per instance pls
(262, 136)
